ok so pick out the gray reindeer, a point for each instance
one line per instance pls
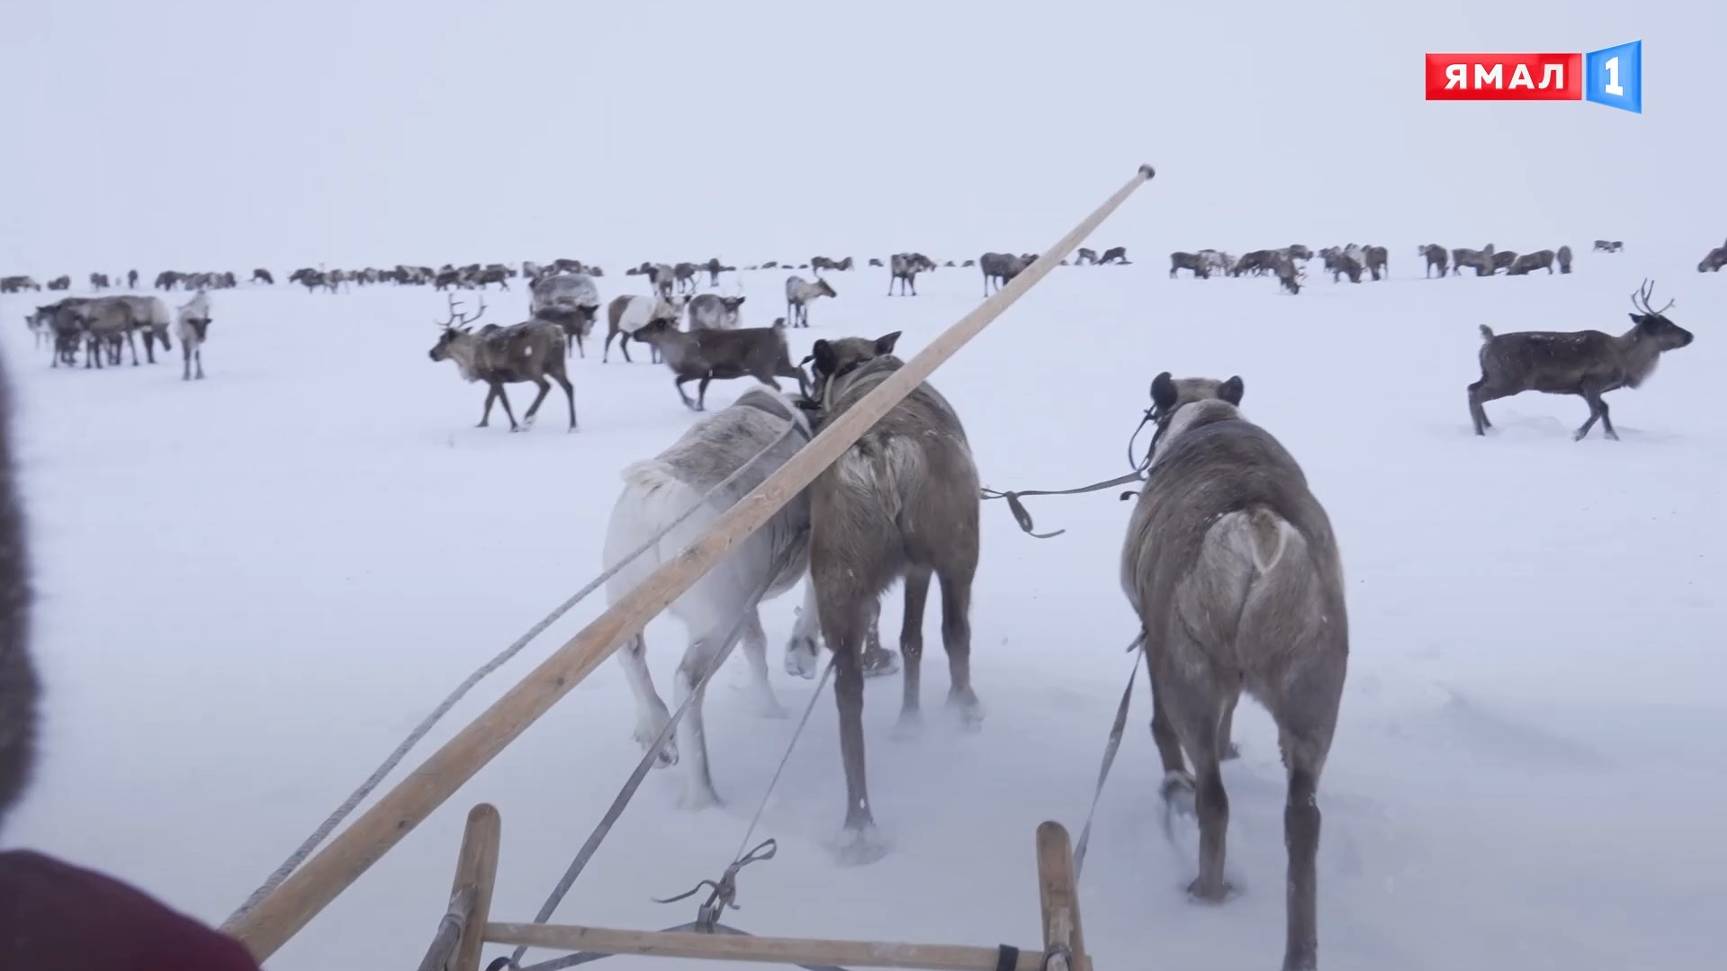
(901, 502)
(904, 268)
(1195, 263)
(1586, 363)
(800, 293)
(999, 268)
(1436, 257)
(1231, 565)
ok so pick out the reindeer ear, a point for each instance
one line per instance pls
(1163, 393)
(1230, 390)
(1635, 318)
(823, 353)
(741, 300)
(884, 344)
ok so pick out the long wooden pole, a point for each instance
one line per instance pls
(300, 897)
(759, 950)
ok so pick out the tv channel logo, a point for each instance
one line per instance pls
(1612, 76)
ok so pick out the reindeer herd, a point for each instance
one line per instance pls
(1228, 560)
(698, 336)
(103, 326)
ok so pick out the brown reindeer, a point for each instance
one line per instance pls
(1586, 363)
(528, 351)
(901, 502)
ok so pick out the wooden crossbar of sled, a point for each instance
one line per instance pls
(468, 926)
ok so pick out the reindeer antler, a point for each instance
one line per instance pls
(459, 319)
(1640, 299)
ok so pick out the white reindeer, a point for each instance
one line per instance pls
(765, 564)
(194, 327)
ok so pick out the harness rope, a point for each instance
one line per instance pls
(1109, 749)
(1141, 469)
(395, 758)
(723, 891)
(622, 800)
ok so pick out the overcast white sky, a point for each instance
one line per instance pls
(225, 135)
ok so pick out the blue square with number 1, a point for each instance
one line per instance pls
(1614, 76)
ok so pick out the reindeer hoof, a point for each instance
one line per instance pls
(1202, 892)
(860, 845)
(801, 658)
(879, 662)
(1177, 792)
(699, 797)
(967, 709)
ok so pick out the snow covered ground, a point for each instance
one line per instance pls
(251, 587)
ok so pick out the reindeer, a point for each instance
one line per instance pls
(1115, 254)
(904, 268)
(1564, 257)
(628, 314)
(1503, 260)
(1216, 261)
(1603, 246)
(1192, 262)
(1713, 260)
(714, 268)
(106, 325)
(684, 277)
(194, 317)
(1339, 263)
(1530, 262)
(1258, 262)
(98, 281)
(1085, 257)
(1436, 257)
(313, 279)
(261, 275)
(569, 300)
(492, 274)
(149, 315)
(710, 355)
(1289, 276)
(505, 355)
(800, 293)
(41, 324)
(901, 502)
(61, 282)
(1232, 567)
(710, 311)
(66, 327)
(999, 268)
(1376, 259)
(1481, 260)
(1586, 363)
(752, 438)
